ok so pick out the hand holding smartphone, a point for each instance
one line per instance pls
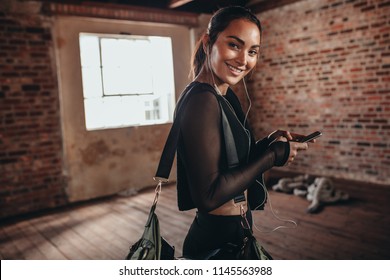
(309, 137)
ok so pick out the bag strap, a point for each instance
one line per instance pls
(168, 154)
(169, 151)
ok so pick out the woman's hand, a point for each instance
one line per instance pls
(280, 135)
(294, 148)
(284, 135)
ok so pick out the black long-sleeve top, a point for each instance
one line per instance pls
(204, 180)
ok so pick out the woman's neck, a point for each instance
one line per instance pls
(206, 76)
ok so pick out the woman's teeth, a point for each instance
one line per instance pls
(234, 69)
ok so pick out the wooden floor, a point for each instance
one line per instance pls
(104, 229)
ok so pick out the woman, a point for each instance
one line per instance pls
(223, 192)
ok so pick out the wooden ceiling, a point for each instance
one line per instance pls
(192, 6)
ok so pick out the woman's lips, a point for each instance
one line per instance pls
(235, 70)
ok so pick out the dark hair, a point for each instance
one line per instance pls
(218, 23)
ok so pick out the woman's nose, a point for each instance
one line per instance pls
(241, 58)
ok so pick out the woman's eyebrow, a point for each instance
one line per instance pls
(242, 41)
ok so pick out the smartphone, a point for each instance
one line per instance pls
(309, 137)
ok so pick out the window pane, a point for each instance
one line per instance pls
(92, 82)
(89, 51)
(127, 68)
(94, 113)
(127, 80)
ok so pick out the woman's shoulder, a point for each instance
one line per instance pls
(198, 99)
(198, 92)
(199, 87)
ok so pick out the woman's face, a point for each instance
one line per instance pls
(235, 52)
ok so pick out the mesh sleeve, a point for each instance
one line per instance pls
(210, 184)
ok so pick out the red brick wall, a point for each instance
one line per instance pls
(326, 66)
(30, 133)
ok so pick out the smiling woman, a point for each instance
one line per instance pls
(220, 165)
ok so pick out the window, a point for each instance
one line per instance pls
(127, 80)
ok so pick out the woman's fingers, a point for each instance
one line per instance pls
(296, 136)
(281, 138)
(294, 148)
(288, 135)
(301, 146)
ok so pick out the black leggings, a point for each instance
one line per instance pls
(209, 232)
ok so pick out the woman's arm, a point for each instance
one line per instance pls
(202, 135)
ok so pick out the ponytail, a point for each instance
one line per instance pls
(198, 59)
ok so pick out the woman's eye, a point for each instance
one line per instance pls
(253, 53)
(233, 45)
